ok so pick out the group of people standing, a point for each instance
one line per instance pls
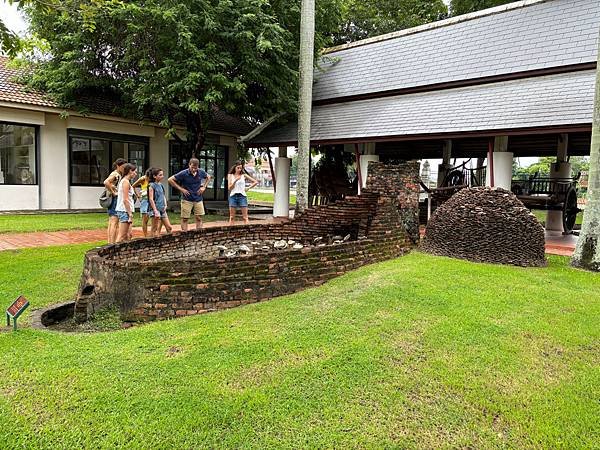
(191, 182)
(153, 201)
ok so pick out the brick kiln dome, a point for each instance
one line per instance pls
(486, 225)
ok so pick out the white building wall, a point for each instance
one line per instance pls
(110, 126)
(54, 163)
(19, 197)
(22, 116)
(85, 197)
(53, 191)
(231, 142)
(159, 154)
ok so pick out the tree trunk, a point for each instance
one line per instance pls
(196, 133)
(200, 136)
(307, 37)
(587, 252)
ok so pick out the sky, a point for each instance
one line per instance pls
(12, 18)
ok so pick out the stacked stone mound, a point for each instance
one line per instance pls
(486, 225)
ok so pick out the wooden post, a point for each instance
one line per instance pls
(357, 156)
(491, 160)
(272, 170)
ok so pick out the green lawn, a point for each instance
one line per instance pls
(541, 216)
(266, 197)
(22, 223)
(417, 352)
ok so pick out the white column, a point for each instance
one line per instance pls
(281, 204)
(503, 164)
(364, 166)
(53, 173)
(560, 169)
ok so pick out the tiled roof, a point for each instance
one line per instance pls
(13, 92)
(527, 36)
(553, 100)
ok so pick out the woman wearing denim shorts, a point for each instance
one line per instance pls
(125, 202)
(236, 183)
(111, 184)
(158, 203)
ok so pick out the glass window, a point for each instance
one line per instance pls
(80, 161)
(137, 156)
(17, 154)
(92, 157)
(118, 151)
(99, 161)
(213, 159)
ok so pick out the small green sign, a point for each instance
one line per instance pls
(15, 310)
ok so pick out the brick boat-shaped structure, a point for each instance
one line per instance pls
(192, 273)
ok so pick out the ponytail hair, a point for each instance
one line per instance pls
(119, 162)
(153, 172)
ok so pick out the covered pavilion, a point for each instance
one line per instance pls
(511, 81)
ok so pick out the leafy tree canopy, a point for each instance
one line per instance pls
(179, 60)
(458, 7)
(542, 167)
(175, 60)
(11, 43)
(8, 40)
(362, 19)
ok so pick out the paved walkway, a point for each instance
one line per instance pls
(14, 241)
(556, 244)
(562, 245)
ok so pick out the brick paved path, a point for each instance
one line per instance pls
(555, 245)
(14, 241)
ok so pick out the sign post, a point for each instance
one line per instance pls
(15, 310)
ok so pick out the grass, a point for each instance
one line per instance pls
(417, 352)
(541, 216)
(44, 275)
(269, 197)
(23, 223)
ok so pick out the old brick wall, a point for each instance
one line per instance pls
(183, 274)
(486, 225)
(400, 186)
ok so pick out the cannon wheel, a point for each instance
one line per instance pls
(454, 178)
(570, 210)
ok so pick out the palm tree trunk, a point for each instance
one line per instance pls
(587, 252)
(307, 37)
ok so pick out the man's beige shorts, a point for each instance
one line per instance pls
(187, 208)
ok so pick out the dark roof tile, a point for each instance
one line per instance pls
(525, 36)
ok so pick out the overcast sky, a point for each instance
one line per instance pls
(12, 18)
